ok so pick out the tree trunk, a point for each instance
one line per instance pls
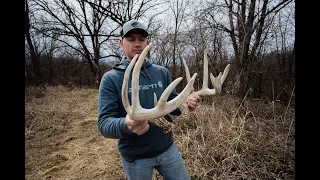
(34, 59)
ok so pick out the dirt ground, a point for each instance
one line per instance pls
(62, 140)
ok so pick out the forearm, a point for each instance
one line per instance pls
(111, 118)
(115, 128)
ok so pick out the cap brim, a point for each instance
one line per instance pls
(137, 30)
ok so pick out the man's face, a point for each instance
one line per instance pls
(133, 44)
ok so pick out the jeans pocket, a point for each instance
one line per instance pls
(128, 161)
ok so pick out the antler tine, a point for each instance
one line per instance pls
(186, 69)
(124, 90)
(136, 112)
(176, 102)
(135, 80)
(205, 70)
(216, 82)
(225, 73)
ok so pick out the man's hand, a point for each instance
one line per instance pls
(192, 102)
(137, 127)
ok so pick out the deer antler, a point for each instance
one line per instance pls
(216, 81)
(162, 108)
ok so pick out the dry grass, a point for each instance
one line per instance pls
(228, 139)
(238, 139)
(62, 139)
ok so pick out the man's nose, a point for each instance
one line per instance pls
(137, 44)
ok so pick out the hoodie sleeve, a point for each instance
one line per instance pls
(110, 122)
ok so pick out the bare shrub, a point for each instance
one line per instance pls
(35, 92)
(70, 85)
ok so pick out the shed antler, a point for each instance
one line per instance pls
(216, 81)
(162, 107)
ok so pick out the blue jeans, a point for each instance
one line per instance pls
(169, 164)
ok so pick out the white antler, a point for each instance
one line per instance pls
(216, 81)
(162, 107)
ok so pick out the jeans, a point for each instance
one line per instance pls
(169, 164)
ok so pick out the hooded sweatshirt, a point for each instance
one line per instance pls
(111, 113)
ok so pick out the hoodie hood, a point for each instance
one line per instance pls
(125, 63)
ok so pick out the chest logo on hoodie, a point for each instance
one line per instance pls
(149, 86)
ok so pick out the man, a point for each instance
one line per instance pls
(142, 146)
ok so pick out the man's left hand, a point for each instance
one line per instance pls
(192, 102)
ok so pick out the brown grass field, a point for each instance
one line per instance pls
(226, 138)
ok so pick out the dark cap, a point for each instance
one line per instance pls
(133, 25)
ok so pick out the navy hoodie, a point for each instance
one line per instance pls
(111, 113)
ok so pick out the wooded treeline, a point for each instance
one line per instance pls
(75, 42)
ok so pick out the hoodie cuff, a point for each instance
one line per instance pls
(124, 128)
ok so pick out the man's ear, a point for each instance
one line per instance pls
(121, 42)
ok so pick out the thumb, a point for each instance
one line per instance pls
(192, 90)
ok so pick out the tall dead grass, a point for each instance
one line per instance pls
(238, 139)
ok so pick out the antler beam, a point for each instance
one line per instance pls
(162, 107)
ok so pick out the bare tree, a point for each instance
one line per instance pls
(178, 9)
(33, 54)
(87, 26)
(75, 25)
(120, 12)
(194, 52)
(49, 47)
(162, 52)
(247, 24)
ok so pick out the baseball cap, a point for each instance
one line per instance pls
(133, 25)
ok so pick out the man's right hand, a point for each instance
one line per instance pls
(137, 127)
